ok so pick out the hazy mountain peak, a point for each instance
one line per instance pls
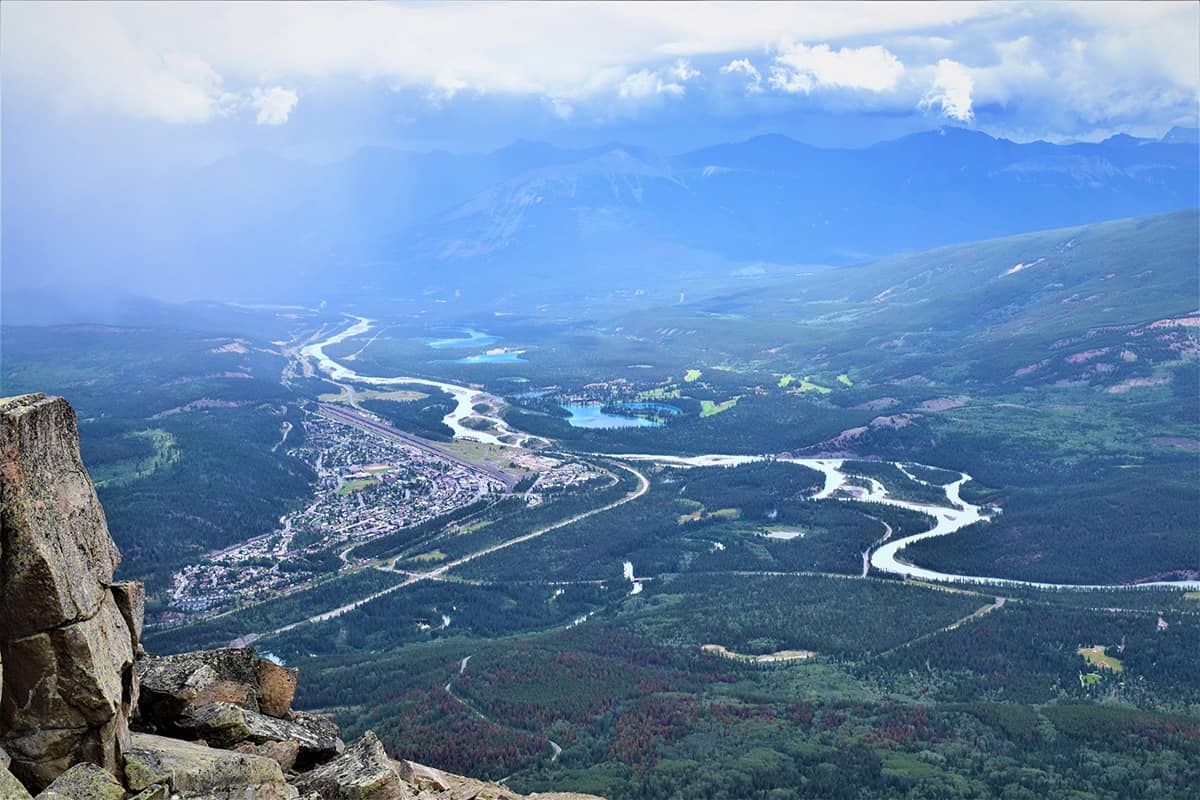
(1181, 135)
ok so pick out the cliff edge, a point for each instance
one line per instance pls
(85, 713)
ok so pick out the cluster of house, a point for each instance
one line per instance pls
(367, 486)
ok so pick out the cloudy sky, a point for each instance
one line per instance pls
(318, 80)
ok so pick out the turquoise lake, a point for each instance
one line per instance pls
(592, 416)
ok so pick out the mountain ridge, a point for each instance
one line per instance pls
(590, 219)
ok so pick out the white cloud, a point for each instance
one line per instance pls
(951, 91)
(110, 56)
(800, 68)
(1078, 64)
(1079, 73)
(273, 105)
(644, 83)
(682, 71)
(561, 108)
(744, 67)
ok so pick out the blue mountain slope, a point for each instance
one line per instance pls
(574, 221)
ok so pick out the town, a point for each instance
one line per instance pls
(371, 480)
(367, 485)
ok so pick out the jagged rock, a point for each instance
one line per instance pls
(41, 756)
(169, 685)
(10, 787)
(276, 688)
(363, 772)
(282, 753)
(321, 731)
(67, 695)
(58, 556)
(194, 770)
(219, 724)
(131, 600)
(84, 782)
(86, 661)
(224, 725)
(68, 683)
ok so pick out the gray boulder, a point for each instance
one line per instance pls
(282, 753)
(170, 685)
(193, 770)
(363, 772)
(225, 725)
(156, 791)
(84, 782)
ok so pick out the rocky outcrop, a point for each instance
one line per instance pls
(58, 556)
(74, 679)
(363, 772)
(84, 782)
(194, 770)
(171, 686)
(316, 737)
(68, 652)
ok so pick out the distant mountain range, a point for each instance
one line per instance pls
(533, 216)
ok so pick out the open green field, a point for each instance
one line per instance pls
(709, 408)
(806, 385)
(162, 453)
(356, 485)
(1098, 658)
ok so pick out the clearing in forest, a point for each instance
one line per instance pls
(807, 385)
(708, 408)
(1096, 656)
(768, 658)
